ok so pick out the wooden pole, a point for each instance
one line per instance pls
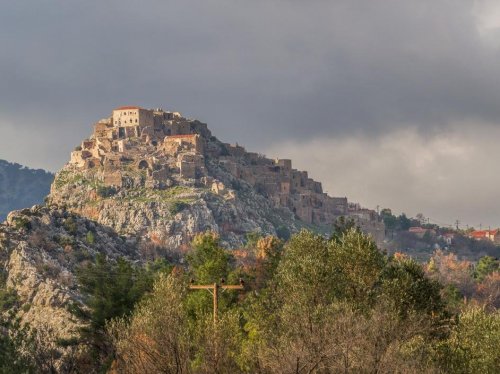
(216, 302)
(214, 290)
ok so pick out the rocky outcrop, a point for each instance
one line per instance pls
(40, 248)
(165, 178)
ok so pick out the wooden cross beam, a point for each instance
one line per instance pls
(214, 290)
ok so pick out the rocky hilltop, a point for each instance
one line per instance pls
(157, 175)
(141, 187)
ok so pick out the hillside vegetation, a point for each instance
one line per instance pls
(309, 305)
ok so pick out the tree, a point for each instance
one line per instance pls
(473, 344)
(485, 266)
(405, 284)
(341, 226)
(155, 338)
(208, 262)
(448, 270)
(111, 290)
(268, 256)
(488, 291)
(389, 219)
(404, 222)
(340, 306)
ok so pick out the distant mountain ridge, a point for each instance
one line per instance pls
(21, 187)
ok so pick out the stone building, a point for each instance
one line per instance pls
(132, 116)
(156, 148)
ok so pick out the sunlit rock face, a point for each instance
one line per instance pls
(166, 178)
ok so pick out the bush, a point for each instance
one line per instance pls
(90, 238)
(178, 206)
(64, 240)
(104, 191)
(70, 226)
(283, 233)
(22, 223)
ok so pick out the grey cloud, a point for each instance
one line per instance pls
(447, 176)
(259, 72)
(249, 67)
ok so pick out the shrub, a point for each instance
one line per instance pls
(178, 206)
(70, 225)
(90, 238)
(104, 191)
(22, 223)
(64, 240)
(283, 233)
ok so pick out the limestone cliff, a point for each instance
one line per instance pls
(40, 248)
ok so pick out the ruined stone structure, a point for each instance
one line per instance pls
(138, 147)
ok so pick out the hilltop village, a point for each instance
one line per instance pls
(157, 149)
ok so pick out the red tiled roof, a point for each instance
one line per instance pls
(417, 229)
(128, 107)
(483, 233)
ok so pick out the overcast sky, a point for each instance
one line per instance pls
(391, 103)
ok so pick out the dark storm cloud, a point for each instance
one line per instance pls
(285, 68)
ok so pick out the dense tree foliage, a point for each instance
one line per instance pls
(314, 305)
(311, 305)
(111, 290)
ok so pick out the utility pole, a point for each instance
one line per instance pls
(214, 290)
(457, 222)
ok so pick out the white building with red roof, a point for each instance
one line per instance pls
(492, 235)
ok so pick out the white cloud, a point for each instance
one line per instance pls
(447, 175)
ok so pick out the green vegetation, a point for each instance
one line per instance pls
(325, 306)
(65, 177)
(22, 223)
(178, 206)
(106, 191)
(111, 289)
(90, 238)
(310, 305)
(392, 222)
(486, 266)
(173, 194)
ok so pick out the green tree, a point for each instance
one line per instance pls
(340, 306)
(485, 266)
(341, 226)
(111, 290)
(389, 219)
(405, 284)
(208, 262)
(155, 338)
(473, 344)
(404, 223)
